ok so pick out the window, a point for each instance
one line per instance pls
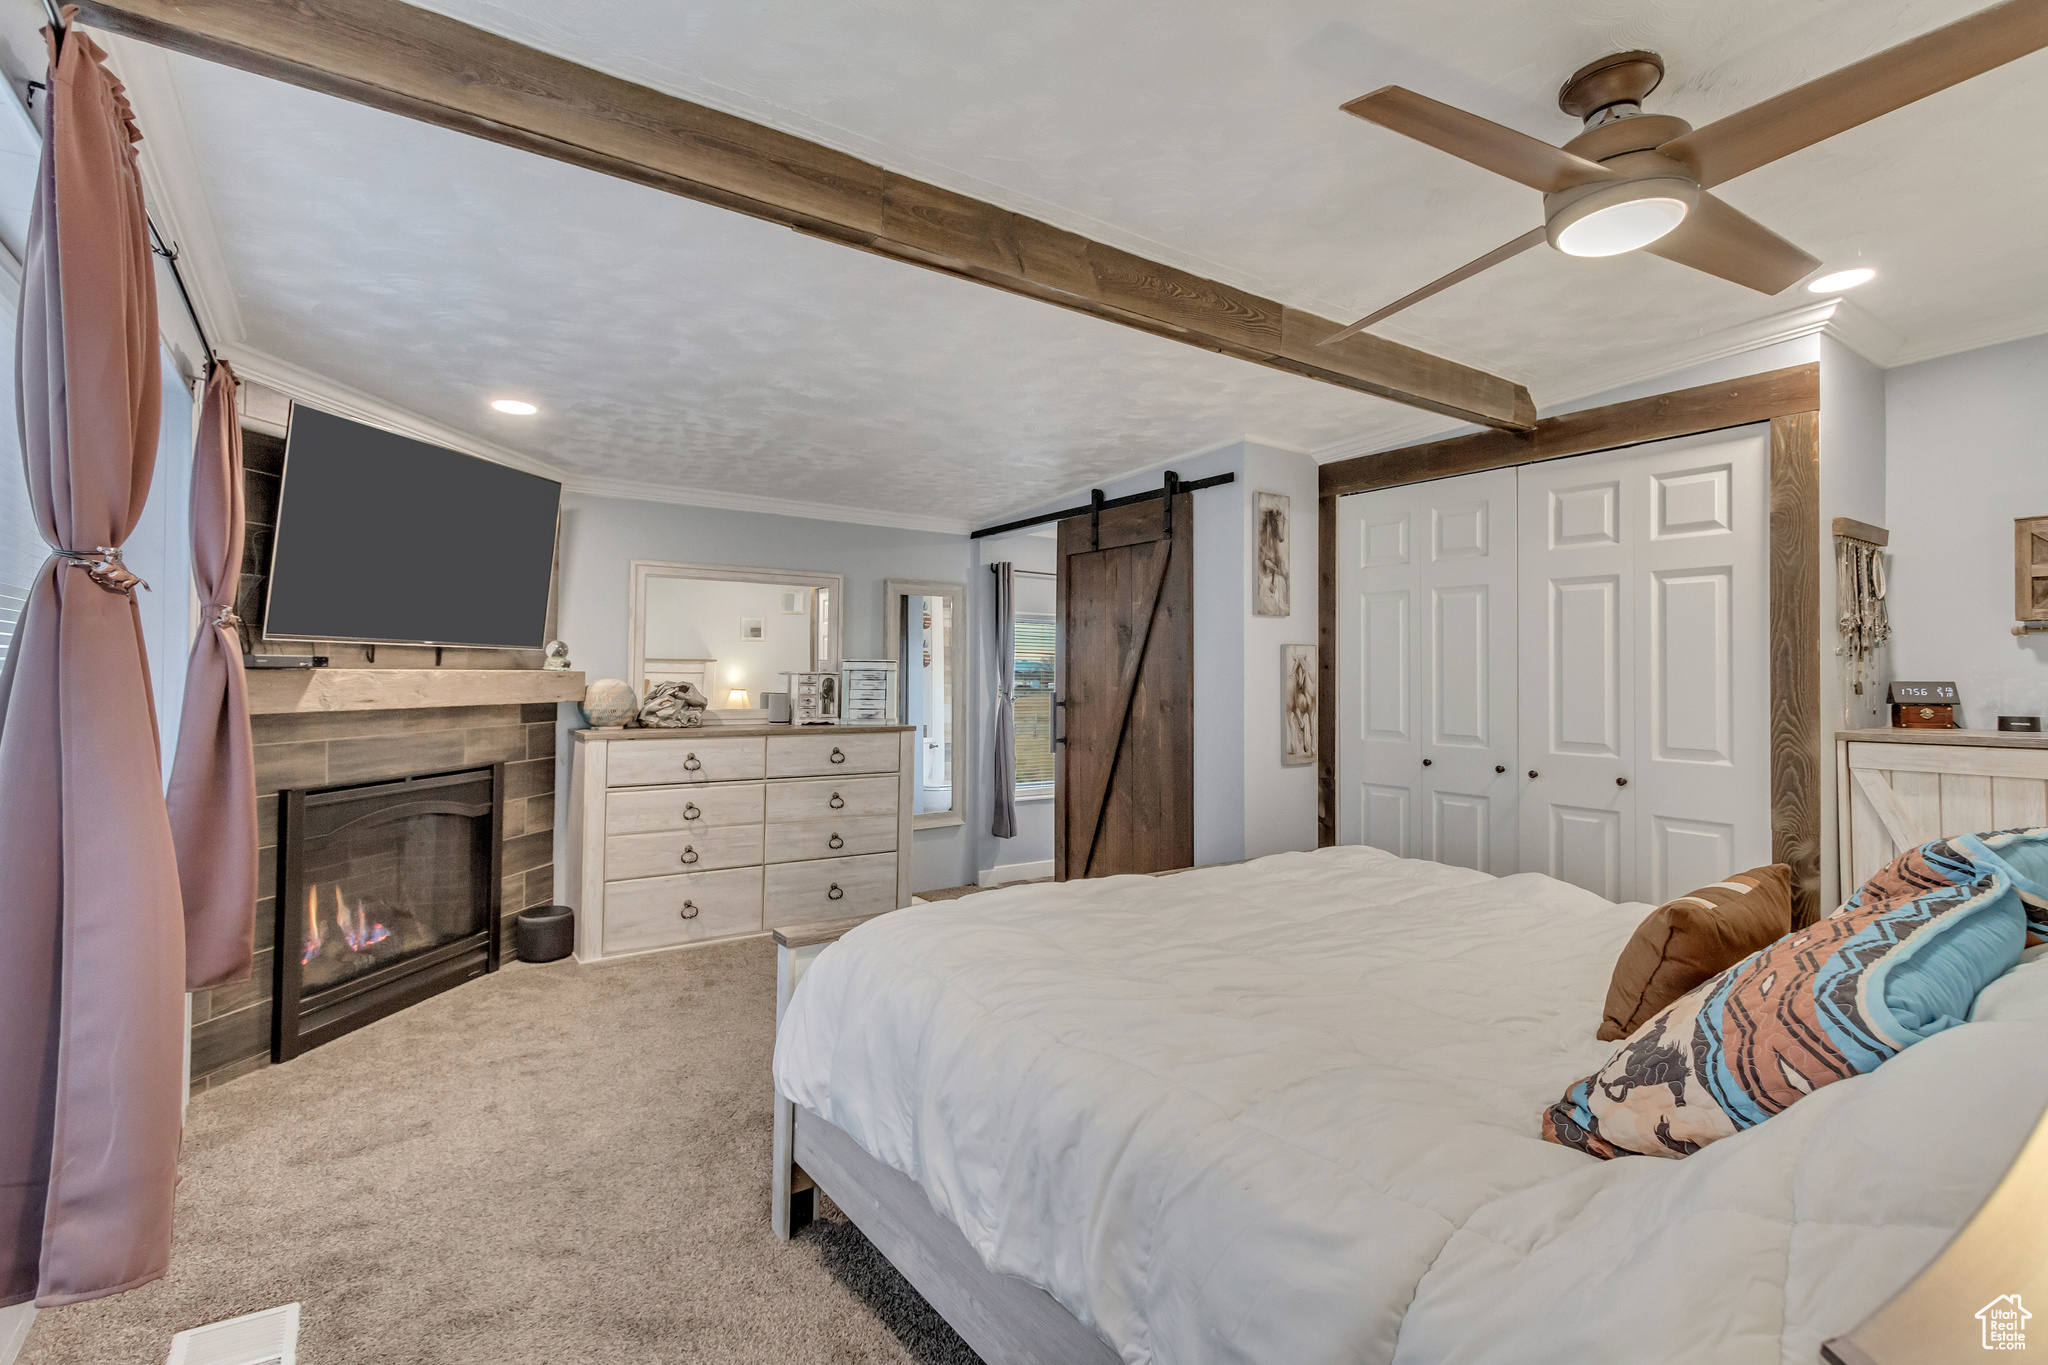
(1033, 662)
(22, 550)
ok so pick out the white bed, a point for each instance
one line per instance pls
(1286, 1111)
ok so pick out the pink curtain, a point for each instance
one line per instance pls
(213, 781)
(91, 1020)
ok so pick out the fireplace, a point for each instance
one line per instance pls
(388, 893)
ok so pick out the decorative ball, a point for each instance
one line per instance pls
(608, 704)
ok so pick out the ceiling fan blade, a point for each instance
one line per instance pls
(1491, 259)
(1857, 93)
(1482, 142)
(1727, 242)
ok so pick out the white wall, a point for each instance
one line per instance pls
(602, 536)
(1279, 801)
(1964, 455)
(699, 618)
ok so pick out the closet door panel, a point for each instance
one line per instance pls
(1426, 670)
(1578, 699)
(1700, 770)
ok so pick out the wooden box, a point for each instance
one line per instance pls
(813, 697)
(1923, 706)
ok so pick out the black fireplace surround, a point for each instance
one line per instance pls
(388, 893)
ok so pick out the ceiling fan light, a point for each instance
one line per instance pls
(1621, 227)
(1609, 219)
(1842, 279)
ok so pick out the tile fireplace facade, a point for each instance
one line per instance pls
(231, 1025)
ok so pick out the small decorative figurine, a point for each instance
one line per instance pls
(673, 706)
(608, 704)
(558, 655)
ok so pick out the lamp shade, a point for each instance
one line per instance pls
(736, 700)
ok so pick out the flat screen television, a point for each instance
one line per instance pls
(382, 539)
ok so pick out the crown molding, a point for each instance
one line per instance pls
(341, 400)
(636, 491)
(1916, 352)
(1836, 318)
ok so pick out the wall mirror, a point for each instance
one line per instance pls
(733, 632)
(927, 636)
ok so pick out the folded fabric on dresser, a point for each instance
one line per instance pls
(1282, 1111)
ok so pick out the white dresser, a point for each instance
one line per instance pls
(1898, 789)
(688, 836)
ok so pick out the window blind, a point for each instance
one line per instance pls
(1034, 679)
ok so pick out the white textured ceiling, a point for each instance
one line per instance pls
(678, 345)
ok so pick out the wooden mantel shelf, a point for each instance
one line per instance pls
(279, 691)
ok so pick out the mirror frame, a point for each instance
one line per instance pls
(896, 589)
(643, 570)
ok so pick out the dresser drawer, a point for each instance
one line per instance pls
(829, 753)
(653, 762)
(659, 808)
(798, 893)
(830, 839)
(825, 799)
(663, 911)
(683, 850)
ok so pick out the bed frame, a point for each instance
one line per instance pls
(1006, 1320)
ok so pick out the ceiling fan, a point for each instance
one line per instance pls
(1637, 181)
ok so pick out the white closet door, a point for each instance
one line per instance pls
(1426, 635)
(1702, 773)
(1644, 622)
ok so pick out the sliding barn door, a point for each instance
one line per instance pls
(1125, 796)
(1426, 640)
(1646, 684)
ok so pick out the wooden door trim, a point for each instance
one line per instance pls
(1789, 399)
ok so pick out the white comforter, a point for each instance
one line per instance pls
(1287, 1112)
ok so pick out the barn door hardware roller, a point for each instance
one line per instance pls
(1097, 505)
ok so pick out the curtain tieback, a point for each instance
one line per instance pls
(105, 568)
(225, 617)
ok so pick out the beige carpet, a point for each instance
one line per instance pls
(553, 1164)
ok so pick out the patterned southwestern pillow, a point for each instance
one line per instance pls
(1683, 942)
(1901, 961)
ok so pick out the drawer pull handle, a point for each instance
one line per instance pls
(1621, 782)
(835, 841)
(689, 854)
(835, 893)
(689, 909)
(837, 756)
(690, 811)
(691, 763)
(837, 802)
(1500, 767)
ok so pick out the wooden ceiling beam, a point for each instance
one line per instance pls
(426, 66)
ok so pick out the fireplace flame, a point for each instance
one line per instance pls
(310, 947)
(358, 929)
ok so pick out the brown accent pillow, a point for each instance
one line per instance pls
(1683, 942)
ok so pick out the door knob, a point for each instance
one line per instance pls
(1427, 761)
(1621, 782)
(1502, 767)
(1532, 772)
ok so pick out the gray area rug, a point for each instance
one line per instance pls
(552, 1164)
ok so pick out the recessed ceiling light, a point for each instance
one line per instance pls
(515, 407)
(1842, 279)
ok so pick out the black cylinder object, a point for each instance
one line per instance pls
(544, 933)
